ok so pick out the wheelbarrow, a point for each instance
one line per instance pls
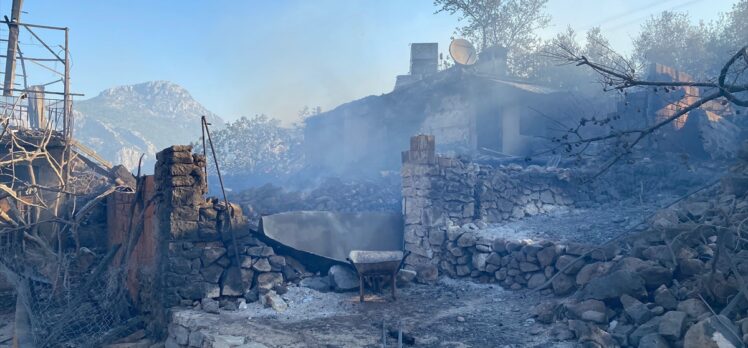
(372, 263)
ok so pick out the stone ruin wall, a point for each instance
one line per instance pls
(199, 260)
(445, 201)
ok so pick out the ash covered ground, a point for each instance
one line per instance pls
(452, 313)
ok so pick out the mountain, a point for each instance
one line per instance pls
(123, 122)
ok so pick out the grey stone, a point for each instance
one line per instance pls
(562, 284)
(690, 267)
(595, 317)
(247, 262)
(262, 265)
(466, 240)
(197, 338)
(180, 333)
(321, 284)
(212, 254)
(650, 327)
(527, 267)
(590, 271)
(209, 305)
(635, 309)
(260, 251)
(212, 273)
(665, 298)
(479, 261)
(180, 265)
(267, 281)
(578, 308)
(547, 256)
(693, 307)
(653, 340)
(273, 300)
(654, 276)
(462, 270)
(571, 262)
(536, 280)
(672, 325)
(499, 246)
(277, 262)
(614, 285)
(342, 278)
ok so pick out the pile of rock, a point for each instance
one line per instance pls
(679, 285)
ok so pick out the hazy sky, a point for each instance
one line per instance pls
(240, 58)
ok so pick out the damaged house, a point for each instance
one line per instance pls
(470, 109)
(707, 132)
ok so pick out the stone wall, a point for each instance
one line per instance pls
(201, 259)
(439, 191)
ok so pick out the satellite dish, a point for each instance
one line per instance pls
(463, 52)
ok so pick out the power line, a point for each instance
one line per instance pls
(638, 19)
(630, 12)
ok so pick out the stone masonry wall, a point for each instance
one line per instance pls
(447, 201)
(440, 190)
(200, 259)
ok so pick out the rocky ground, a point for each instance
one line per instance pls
(454, 313)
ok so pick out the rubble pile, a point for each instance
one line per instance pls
(680, 283)
(333, 194)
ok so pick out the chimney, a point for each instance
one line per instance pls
(492, 61)
(424, 58)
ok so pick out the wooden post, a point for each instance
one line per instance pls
(10, 60)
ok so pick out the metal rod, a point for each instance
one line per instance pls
(67, 118)
(55, 93)
(36, 59)
(223, 191)
(38, 26)
(48, 68)
(205, 154)
(49, 48)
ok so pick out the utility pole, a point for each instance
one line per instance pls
(10, 60)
